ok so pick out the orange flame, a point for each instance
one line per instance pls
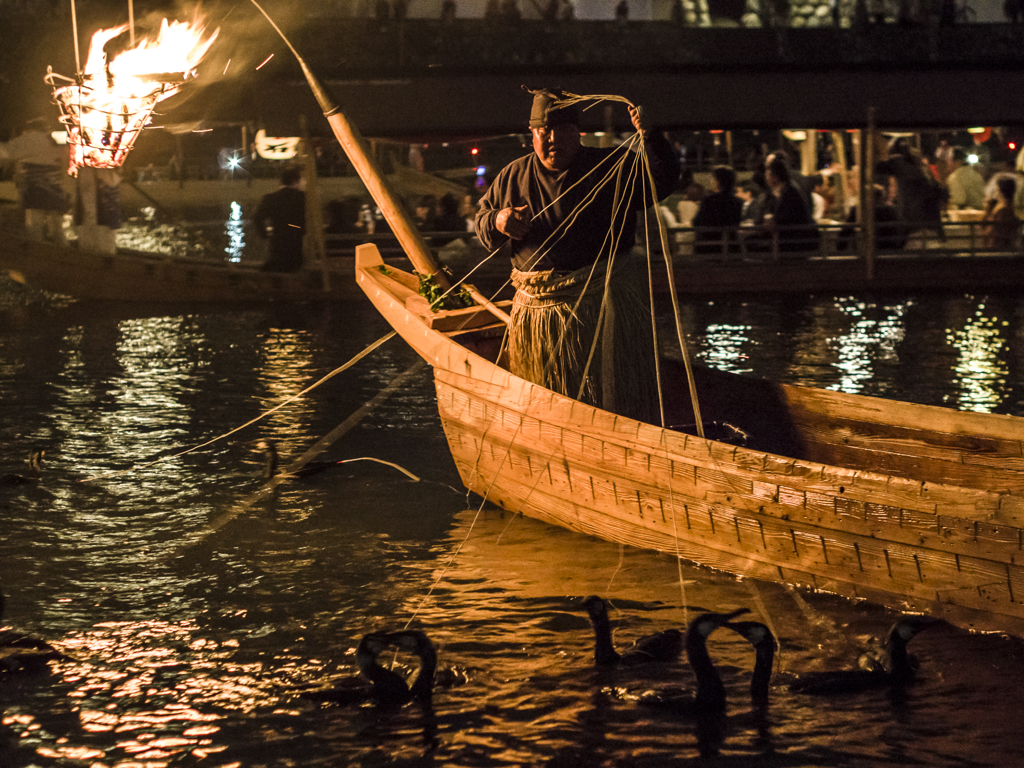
(112, 101)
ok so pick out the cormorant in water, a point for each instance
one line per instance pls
(35, 460)
(417, 642)
(900, 672)
(765, 646)
(270, 463)
(19, 651)
(662, 646)
(378, 685)
(709, 698)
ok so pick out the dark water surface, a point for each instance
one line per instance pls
(188, 640)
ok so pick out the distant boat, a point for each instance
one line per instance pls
(140, 276)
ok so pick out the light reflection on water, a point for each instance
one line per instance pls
(234, 232)
(191, 654)
(873, 335)
(981, 371)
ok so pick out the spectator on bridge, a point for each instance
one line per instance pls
(1003, 230)
(448, 11)
(423, 214)
(622, 11)
(787, 219)
(944, 157)
(750, 192)
(719, 214)
(966, 186)
(799, 181)
(919, 196)
(1001, 163)
(890, 234)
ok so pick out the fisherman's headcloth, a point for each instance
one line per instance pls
(546, 110)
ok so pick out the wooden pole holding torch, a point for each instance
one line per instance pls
(354, 144)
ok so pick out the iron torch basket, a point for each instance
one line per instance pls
(103, 123)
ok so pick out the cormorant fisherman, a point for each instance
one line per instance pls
(570, 221)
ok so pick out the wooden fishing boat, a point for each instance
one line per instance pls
(140, 276)
(914, 507)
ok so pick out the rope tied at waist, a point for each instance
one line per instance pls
(556, 319)
(548, 287)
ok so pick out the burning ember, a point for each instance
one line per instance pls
(111, 101)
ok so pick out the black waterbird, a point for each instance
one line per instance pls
(35, 461)
(417, 642)
(20, 652)
(899, 671)
(270, 463)
(376, 684)
(765, 646)
(709, 696)
(661, 646)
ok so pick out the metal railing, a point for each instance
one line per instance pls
(838, 240)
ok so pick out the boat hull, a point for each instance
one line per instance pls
(948, 550)
(146, 277)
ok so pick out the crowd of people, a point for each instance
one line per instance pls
(778, 207)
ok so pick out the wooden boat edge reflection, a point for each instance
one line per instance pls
(829, 520)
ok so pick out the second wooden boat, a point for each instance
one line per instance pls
(139, 276)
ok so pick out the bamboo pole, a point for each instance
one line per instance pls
(489, 305)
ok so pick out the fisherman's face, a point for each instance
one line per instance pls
(556, 146)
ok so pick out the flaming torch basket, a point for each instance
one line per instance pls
(102, 124)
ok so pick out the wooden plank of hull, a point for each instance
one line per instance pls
(945, 549)
(939, 445)
(936, 444)
(746, 543)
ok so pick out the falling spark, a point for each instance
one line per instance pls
(266, 60)
(226, 66)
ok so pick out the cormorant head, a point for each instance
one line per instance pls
(370, 647)
(596, 607)
(907, 627)
(707, 623)
(756, 633)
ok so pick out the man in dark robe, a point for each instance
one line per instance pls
(570, 228)
(285, 213)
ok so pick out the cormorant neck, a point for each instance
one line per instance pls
(765, 657)
(604, 651)
(269, 461)
(710, 691)
(423, 687)
(899, 660)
